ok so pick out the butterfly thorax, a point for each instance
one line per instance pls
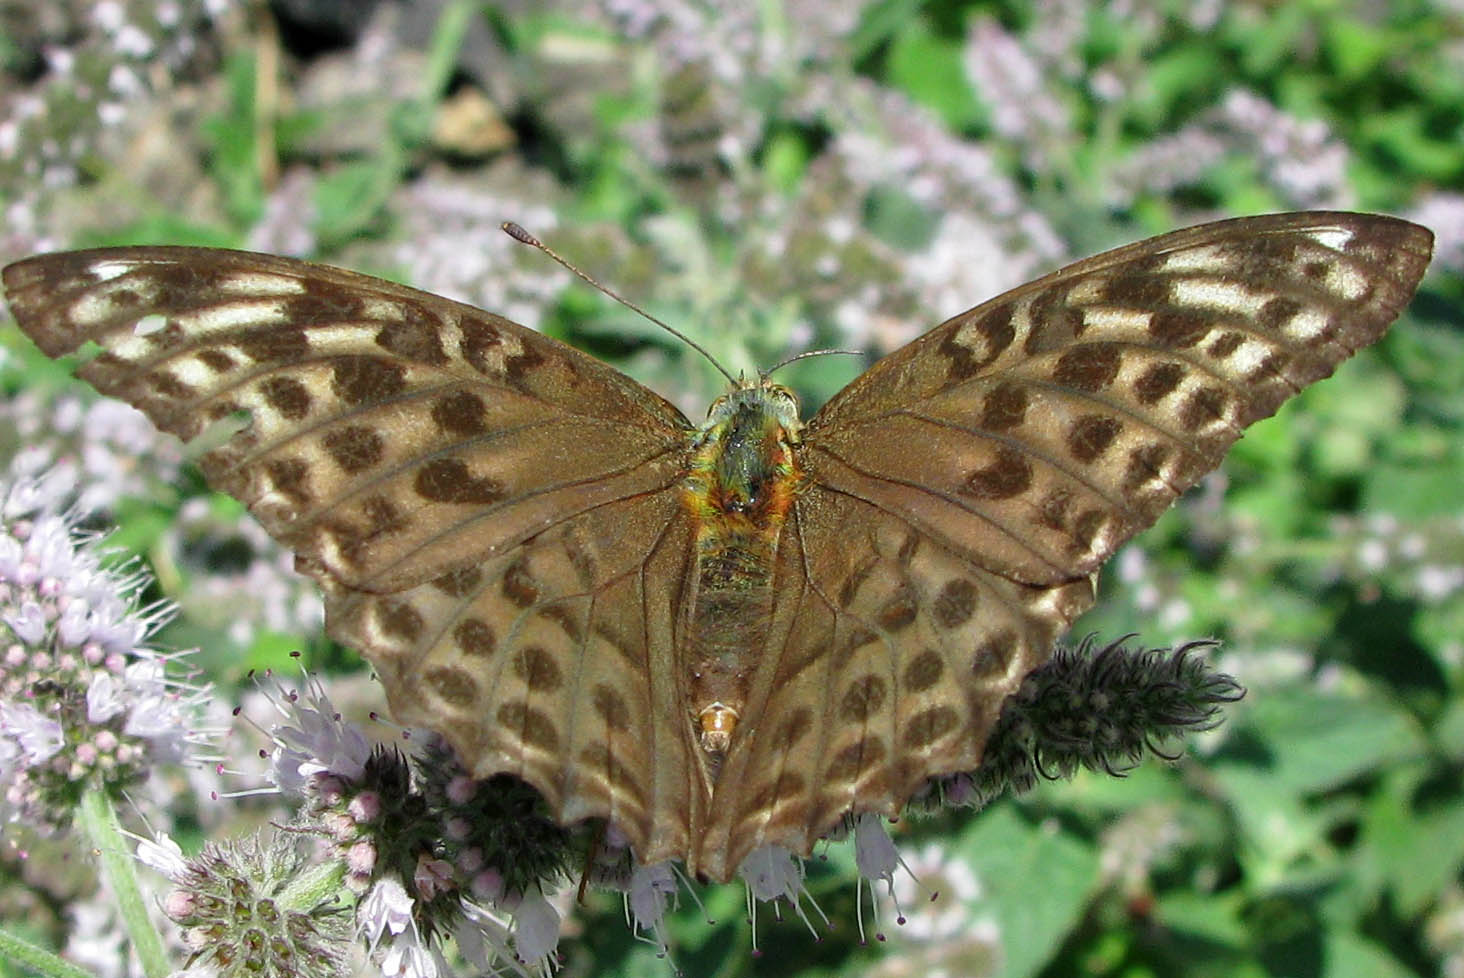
(738, 490)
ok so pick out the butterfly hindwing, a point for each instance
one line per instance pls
(554, 662)
(891, 657)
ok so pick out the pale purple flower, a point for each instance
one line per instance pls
(536, 931)
(772, 873)
(386, 909)
(106, 697)
(314, 739)
(163, 855)
(38, 736)
(408, 955)
(651, 890)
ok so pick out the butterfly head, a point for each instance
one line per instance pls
(761, 399)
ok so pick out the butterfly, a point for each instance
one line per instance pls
(726, 635)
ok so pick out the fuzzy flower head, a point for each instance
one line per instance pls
(83, 703)
(257, 908)
(430, 852)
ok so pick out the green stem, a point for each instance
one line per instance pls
(38, 959)
(99, 820)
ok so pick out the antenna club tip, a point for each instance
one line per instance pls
(517, 232)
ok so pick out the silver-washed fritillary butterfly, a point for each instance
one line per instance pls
(726, 635)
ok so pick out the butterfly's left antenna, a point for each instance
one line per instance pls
(517, 232)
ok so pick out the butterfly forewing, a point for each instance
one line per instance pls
(506, 526)
(393, 434)
(1037, 432)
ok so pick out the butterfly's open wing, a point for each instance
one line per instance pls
(963, 490)
(483, 505)
(393, 435)
(1040, 430)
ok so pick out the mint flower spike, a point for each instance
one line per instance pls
(1102, 710)
(84, 703)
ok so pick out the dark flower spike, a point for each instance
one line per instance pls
(1100, 710)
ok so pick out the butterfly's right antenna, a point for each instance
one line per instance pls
(517, 232)
(810, 353)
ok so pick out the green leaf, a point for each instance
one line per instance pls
(350, 198)
(234, 160)
(928, 68)
(1316, 741)
(1349, 955)
(1412, 839)
(1036, 879)
(1355, 48)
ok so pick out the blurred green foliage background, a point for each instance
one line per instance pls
(777, 177)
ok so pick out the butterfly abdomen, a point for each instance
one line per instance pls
(738, 491)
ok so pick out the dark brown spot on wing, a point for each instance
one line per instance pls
(979, 343)
(399, 620)
(862, 698)
(538, 669)
(216, 360)
(1090, 436)
(610, 705)
(993, 656)
(1004, 408)
(286, 395)
(354, 448)
(475, 638)
(452, 684)
(272, 344)
(290, 476)
(1090, 367)
(448, 480)
(853, 761)
(928, 726)
(519, 585)
(459, 583)
(462, 414)
(1204, 406)
(480, 338)
(413, 337)
(1009, 474)
(924, 671)
(533, 727)
(1158, 381)
(955, 604)
(365, 379)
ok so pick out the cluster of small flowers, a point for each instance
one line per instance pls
(452, 245)
(430, 853)
(95, 451)
(96, 60)
(83, 703)
(1301, 159)
(1443, 211)
(1422, 560)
